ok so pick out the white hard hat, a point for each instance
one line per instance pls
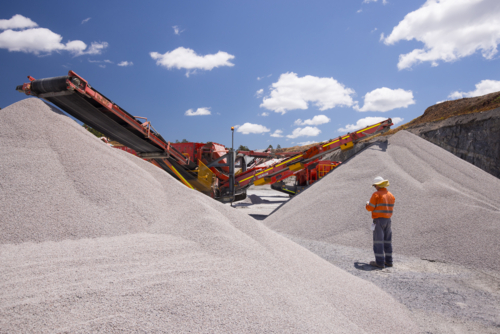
(379, 181)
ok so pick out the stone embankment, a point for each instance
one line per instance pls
(472, 137)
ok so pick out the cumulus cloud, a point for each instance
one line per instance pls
(292, 92)
(95, 48)
(316, 120)
(108, 61)
(199, 112)
(125, 63)
(364, 122)
(41, 40)
(482, 88)
(259, 93)
(277, 134)
(308, 131)
(86, 20)
(450, 30)
(264, 114)
(17, 22)
(248, 128)
(177, 30)
(183, 58)
(385, 99)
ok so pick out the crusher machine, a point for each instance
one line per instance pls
(209, 168)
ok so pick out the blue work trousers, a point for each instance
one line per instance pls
(382, 237)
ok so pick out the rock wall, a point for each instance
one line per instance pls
(473, 137)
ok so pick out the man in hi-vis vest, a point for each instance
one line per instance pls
(381, 205)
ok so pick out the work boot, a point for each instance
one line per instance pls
(376, 265)
(388, 264)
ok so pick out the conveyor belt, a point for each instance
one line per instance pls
(91, 113)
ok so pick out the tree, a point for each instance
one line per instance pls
(93, 131)
(270, 146)
(278, 147)
(243, 148)
(184, 141)
(177, 141)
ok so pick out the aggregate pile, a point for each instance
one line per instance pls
(446, 209)
(95, 239)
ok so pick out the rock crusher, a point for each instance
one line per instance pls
(210, 168)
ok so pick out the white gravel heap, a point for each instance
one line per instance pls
(95, 239)
(446, 208)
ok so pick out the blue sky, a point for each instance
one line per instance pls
(283, 72)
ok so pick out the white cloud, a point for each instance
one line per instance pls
(277, 134)
(125, 63)
(248, 128)
(482, 88)
(308, 131)
(42, 40)
(186, 58)
(94, 49)
(260, 78)
(367, 121)
(103, 66)
(304, 143)
(450, 30)
(177, 30)
(199, 112)
(292, 92)
(385, 99)
(368, 1)
(86, 20)
(108, 61)
(359, 11)
(375, 29)
(17, 22)
(259, 93)
(264, 114)
(316, 120)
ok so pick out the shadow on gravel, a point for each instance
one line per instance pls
(258, 217)
(365, 266)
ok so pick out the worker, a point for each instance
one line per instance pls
(381, 205)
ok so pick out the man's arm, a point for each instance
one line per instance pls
(370, 206)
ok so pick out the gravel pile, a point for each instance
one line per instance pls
(95, 239)
(446, 209)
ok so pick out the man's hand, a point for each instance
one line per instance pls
(367, 202)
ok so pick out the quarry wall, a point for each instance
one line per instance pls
(473, 137)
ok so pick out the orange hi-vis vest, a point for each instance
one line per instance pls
(381, 204)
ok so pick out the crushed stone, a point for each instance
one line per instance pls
(93, 239)
(446, 209)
